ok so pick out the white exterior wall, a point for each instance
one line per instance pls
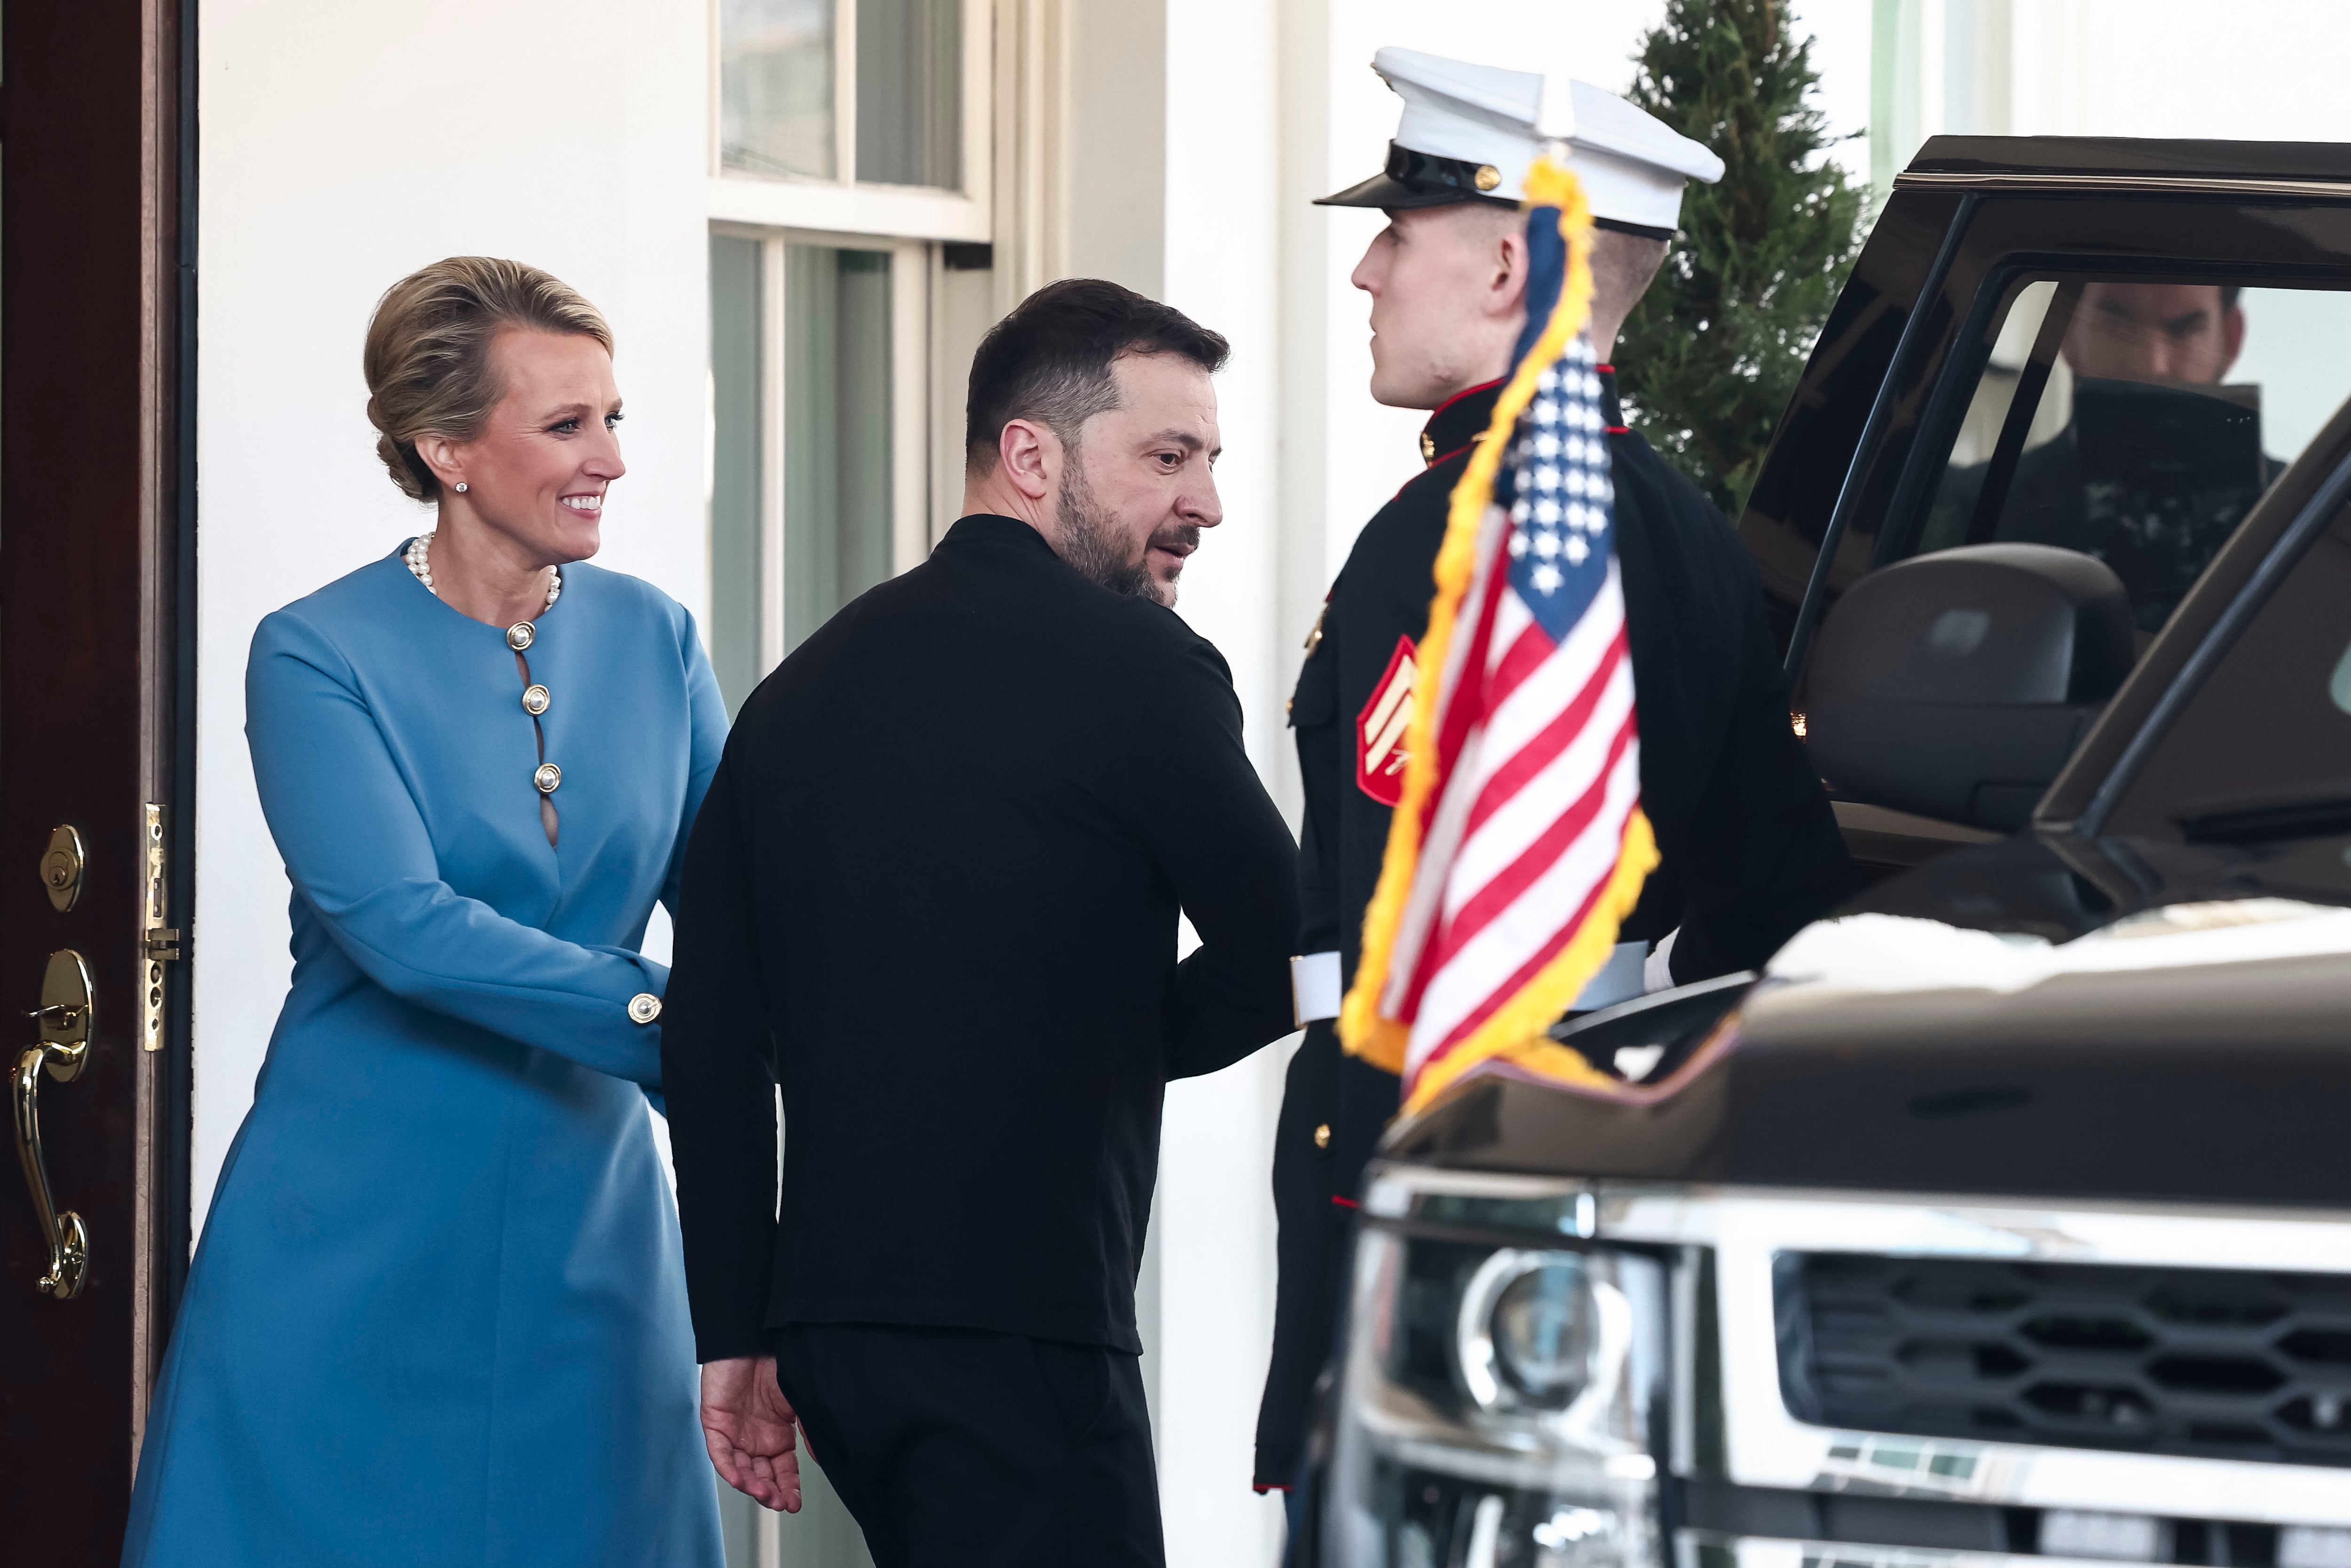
(2268, 72)
(341, 148)
(1212, 1220)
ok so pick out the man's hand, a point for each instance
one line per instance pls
(748, 1426)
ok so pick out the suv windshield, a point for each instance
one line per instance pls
(2262, 749)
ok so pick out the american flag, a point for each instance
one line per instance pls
(1518, 844)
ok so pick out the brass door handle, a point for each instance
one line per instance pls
(65, 1019)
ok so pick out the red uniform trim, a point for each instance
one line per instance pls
(1438, 461)
(1448, 402)
(1465, 392)
(1345, 1202)
(1613, 429)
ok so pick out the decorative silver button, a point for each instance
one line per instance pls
(533, 700)
(520, 635)
(547, 777)
(643, 1007)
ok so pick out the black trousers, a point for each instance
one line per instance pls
(976, 1449)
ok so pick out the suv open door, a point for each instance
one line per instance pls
(2102, 348)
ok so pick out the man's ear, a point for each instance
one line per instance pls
(1506, 289)
(1031, 457)
(2232, 337)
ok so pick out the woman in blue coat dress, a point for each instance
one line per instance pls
(438, 1315)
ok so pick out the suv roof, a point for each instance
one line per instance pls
(2126, 162)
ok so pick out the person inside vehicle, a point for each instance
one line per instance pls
(2161, 334)
(2118, 436)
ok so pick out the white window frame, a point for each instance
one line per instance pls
(843, 206)
(912, 262)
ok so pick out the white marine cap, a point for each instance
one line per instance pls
(1470, 132)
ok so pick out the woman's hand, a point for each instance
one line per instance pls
(748, 1426)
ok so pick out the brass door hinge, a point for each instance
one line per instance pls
(159, 943)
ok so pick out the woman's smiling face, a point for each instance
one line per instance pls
(538, 471)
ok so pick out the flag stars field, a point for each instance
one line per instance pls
(1551, 467)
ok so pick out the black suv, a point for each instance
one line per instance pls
(2007, 1214)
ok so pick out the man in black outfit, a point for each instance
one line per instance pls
(933, 893)
(1750, 849)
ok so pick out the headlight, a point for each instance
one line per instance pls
(1538, 1331)
(1498, 1402)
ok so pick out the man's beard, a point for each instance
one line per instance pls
(1092, 543)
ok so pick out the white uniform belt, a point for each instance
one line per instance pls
(1315, 991)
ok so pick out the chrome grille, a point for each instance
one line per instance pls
(2210, 1362)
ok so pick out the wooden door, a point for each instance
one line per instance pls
(96, 574)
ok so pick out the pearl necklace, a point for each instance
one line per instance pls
(418, 558)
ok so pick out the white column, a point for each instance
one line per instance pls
(1222, 264)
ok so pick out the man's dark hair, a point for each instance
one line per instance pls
(1049, 359)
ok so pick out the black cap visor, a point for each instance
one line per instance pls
(1417, 180)
(1643, 230)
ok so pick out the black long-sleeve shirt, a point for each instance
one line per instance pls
(933, 893)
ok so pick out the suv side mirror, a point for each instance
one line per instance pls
(1956, 684)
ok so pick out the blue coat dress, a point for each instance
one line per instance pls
(438, 1315)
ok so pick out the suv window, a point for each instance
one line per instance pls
(2263, 746)
(2134, 419)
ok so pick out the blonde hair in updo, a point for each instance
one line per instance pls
(428, 352)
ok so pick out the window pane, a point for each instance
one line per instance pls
(2274, 716)
(910, 93)
(837, 502)
(736, 549)
(2138, 422)
(775, 87)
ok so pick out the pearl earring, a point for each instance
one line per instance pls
(461, 486)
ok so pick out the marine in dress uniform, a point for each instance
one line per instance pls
(1750, 849)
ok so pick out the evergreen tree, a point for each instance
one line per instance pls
(1713, 352)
